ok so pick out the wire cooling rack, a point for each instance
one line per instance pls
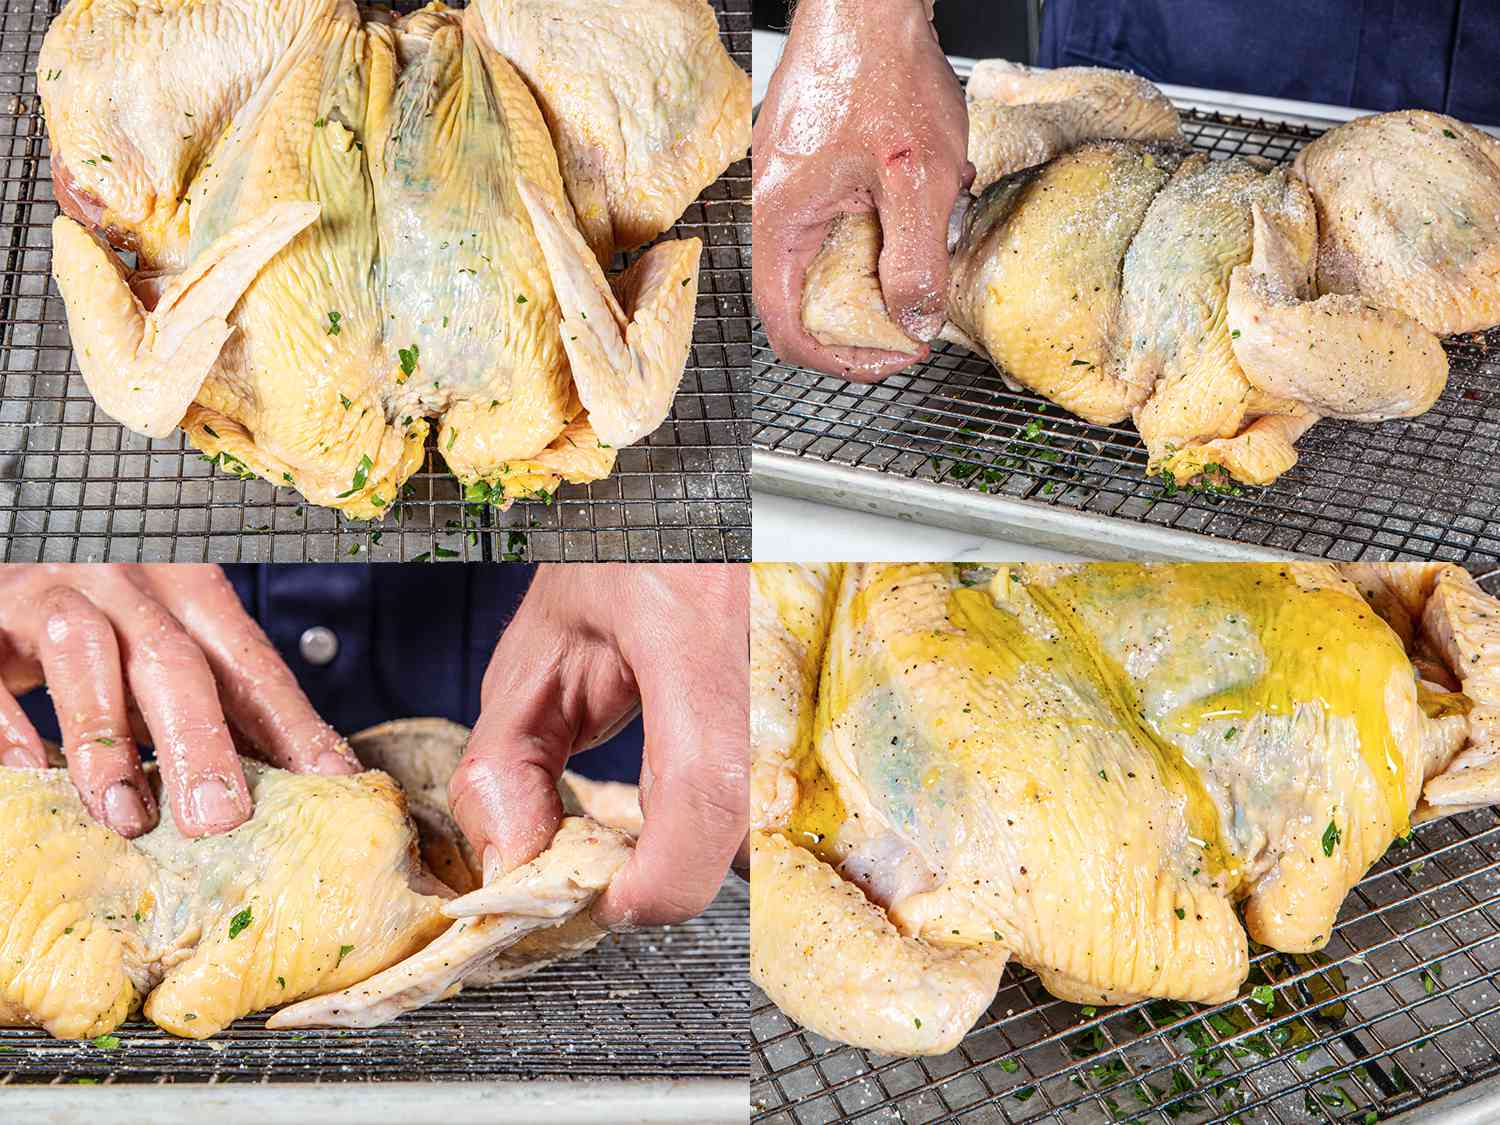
(663, 1003)
(1426, 487)
(75, 485)
(1402, 1007)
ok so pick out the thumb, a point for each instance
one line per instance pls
(550, 689)
(914, 216)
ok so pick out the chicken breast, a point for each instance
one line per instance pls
(1036, 278)
(1090, 769)
(324, 900)
(320, 888)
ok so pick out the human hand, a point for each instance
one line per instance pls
(156, 654)
(863, 113)
(589, 646)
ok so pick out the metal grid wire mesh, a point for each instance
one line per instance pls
(75, 485)
(667, 1003)
(1426, 487)
(1401, 1007)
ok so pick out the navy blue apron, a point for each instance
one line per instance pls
(411, 640)
(1371, 54)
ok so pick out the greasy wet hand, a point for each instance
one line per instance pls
(160, 655)
(589, 646)
(863, 113)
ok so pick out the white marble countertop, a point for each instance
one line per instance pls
(789, 530)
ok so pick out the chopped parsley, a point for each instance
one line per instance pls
(361, 474)
(344, 951)
(281, 981)
(105, 741)
(1228, 734)
(520, 298)
(1180, 912)
(408, 357)
(106, 1042)
(452, 437)
(334, 327)
(1331, 838)
(240, 922)
(344, 399)
(1264, 995)
(1450, 134)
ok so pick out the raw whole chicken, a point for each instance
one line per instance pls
(352, 228)
(326, 896)
(1223, 306)
(1114, 774)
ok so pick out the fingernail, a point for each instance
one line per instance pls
(212, 805)
(333, 764)
(124, 809)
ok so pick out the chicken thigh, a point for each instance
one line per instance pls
(1409, 216)
(1089, 770)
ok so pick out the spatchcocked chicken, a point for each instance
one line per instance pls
(351, 228)
(1224, 306)
(1107, 773)
(328, 895)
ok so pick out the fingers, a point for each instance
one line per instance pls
(259, 693)
(81, 662)
(696, 801)
(690, 653)
(915, 203)
(784, 248)
(20, 745)
(174, 688)
(504, 792)
(551, 688)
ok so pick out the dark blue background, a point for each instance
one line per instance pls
(1370, 54)
(413, 641)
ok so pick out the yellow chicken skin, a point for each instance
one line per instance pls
(321, 888)
(1110, 773)
(324, 904)
(349, 231)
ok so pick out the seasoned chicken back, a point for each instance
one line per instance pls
(352, 228)
(1098, 771)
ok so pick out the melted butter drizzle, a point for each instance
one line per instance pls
(1322, 645)
(1117, 690)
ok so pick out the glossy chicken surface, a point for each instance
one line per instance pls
(353, 229)
(1223, 306)
(321, 897)
(1117, 775)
